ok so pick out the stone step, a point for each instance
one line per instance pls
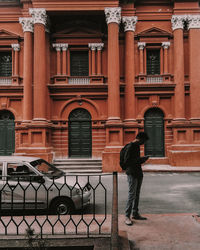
(79, 165)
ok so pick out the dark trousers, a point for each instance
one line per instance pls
(134, 187)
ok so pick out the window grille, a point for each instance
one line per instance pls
(79, 64)
(5, 64)
(153, 62)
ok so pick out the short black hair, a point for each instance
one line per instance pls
(142, 135)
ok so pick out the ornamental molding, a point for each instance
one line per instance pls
(15, 46)
(39, 15)
(141, 45)
(129, 23)
(113, 15)
(27, 24)
(60, 46)
(193, 21)
(178, 21)
(166, 45)
(94, 46)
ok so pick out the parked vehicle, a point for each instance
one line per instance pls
(33, 183)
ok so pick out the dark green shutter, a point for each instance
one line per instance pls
(79, 64)
(80, 134)
(153, 62)
(7, 133)
(154, 127)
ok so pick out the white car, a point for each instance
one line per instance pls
(33, 183)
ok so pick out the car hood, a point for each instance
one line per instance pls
(77, 181)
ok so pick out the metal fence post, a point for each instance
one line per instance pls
(114, 223)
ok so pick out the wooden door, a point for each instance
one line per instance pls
(154, 127)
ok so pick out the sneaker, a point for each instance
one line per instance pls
(128, 222)
(138, 217)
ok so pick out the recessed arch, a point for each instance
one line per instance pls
(78, 102)
(154, 127)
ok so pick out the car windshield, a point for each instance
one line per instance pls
(47, 169)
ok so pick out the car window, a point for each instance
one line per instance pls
(47, 169)
(16, 171)
(1, 170)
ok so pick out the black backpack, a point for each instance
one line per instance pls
(124, 156)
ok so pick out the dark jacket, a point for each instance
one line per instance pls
(134, 160)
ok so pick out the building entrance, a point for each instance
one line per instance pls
(7, 133)
(154, 127)
(80, 134)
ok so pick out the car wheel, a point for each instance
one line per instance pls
(62, 206)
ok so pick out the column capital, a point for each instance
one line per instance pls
(92, 46)
(165, 45)
(141, 45)
(57, 46)
(193, 21)
(100, 46)
(27, 24)
(113, 15)
(39, 15)
(178, 21)
(15, 46)
(64, 46)
(129, 23)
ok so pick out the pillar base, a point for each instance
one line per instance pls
(110, 159)
(42, 152)
(130, 123)
(34, 139)
(184, 155)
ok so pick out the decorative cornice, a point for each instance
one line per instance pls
(193, 21)
(94, 46)
(27, 24)
(39, 15)
(165, 45)
(15, 46)
(178, 21)
(141, 45)
(113, 15)
(129, 23)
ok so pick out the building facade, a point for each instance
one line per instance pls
(80, 78)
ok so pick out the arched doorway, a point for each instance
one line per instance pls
(7, 133)
(80, 134)
(154, 127)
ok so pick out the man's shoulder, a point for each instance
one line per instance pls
(134, 144)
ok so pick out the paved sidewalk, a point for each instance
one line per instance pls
(158, 232)
(162, 232)
(168, 168)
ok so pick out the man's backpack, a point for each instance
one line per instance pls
(124, 156)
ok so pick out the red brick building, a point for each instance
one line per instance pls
(79, 78)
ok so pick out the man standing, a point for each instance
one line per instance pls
(134, 176)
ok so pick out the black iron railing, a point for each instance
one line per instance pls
(72, 205)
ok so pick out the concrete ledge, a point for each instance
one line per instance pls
(168, 168)
(96, 243)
